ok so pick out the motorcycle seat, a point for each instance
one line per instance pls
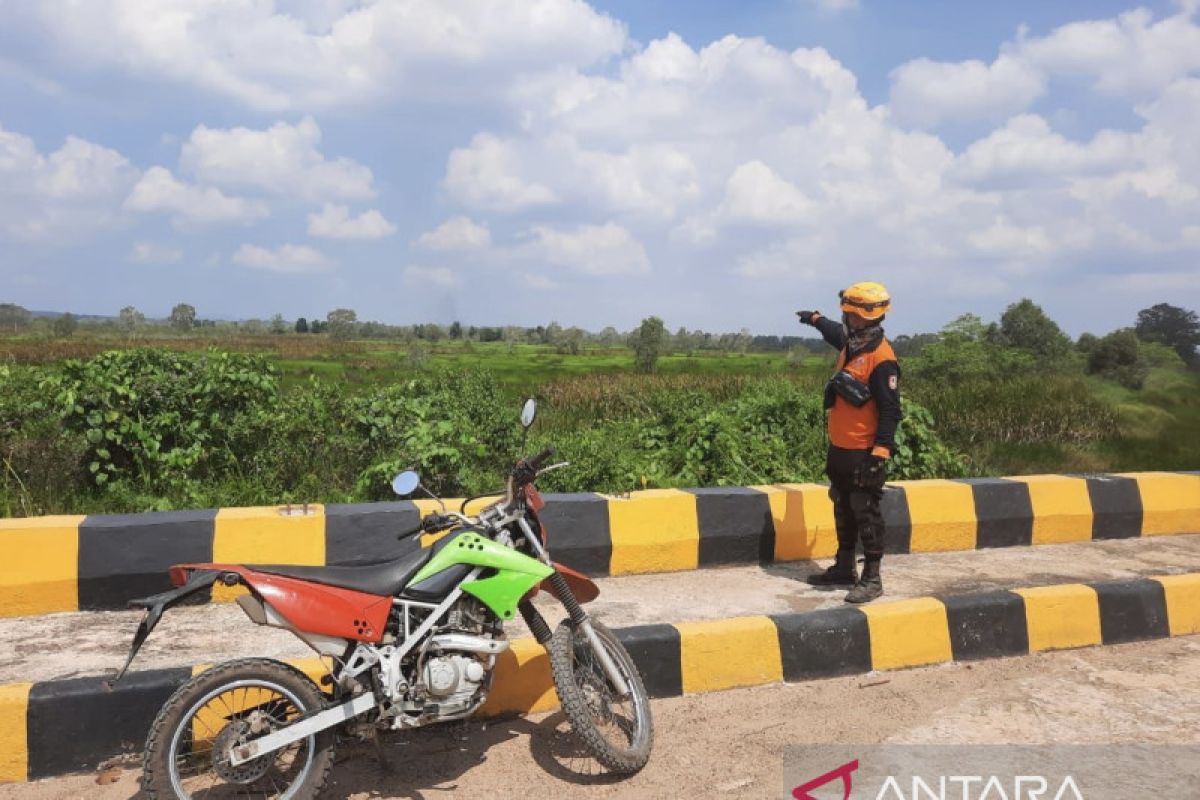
(384, 579)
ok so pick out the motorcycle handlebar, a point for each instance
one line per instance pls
(535, 463)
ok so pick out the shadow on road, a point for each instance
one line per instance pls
(428, 763)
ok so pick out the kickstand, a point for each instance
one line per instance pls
(381, 755)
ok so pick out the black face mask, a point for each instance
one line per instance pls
(858, 339)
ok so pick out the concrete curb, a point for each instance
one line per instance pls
(100, 562)
(72, 725)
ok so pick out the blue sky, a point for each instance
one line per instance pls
(717, 164)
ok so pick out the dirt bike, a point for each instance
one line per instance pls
(413, 642)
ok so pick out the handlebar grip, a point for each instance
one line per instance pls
(434, 521)
(535, 463)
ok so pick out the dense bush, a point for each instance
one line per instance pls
(152, 429)
(1118, 357)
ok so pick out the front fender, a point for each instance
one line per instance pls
(583, 587)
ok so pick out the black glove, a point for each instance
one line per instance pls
(808, 317)
(871, 473)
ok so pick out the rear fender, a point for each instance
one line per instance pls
(196, 581)
(311, 608)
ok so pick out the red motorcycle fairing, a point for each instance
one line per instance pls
(310, 607)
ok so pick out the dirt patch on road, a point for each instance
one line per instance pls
(732, 744)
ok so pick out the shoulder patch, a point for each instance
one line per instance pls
(893, 382)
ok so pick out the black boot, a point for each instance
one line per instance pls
(869, 587)
(842, 573)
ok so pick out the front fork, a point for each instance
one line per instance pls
(579, 620)
(579, 617)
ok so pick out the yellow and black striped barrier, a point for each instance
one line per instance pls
(73, 725)
(68, 563)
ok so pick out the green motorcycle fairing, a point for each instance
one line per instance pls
(516, 573)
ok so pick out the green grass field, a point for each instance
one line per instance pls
(521, 367)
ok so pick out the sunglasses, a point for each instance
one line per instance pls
(863, 306)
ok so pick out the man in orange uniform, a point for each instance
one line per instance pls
(863, 401)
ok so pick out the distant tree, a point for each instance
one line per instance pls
(65, 325)
(372, 330)
(317, 326)
(1177, 328)
(905, 345)
(14, 316)
(1086, 343)
(183, 317)
(609, 337)
(1025, 325)
(647, 344)
(1116, 357)
(570, 341)
(131, 319)
(434, 332)
(301, 325)
(278, 325)
(456, 330)
(341, 322)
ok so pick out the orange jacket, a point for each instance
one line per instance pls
(871, 426)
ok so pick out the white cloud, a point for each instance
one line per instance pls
(158, 191)
(1132, 55)
(289, 259)
(318, 55)
(926, 93)
(283, 159)
(335, 222)
(755, 194)
(1026, 150)
(62, 195)
(605, 249)
(459, 233)
(151, 253)
(441, 277)
(484, 175)
(834, 6)
(1003, 238)
(539, 282)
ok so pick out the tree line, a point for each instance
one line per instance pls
(1023, 328)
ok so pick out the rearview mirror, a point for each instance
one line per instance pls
(528, 412)
(406, 483)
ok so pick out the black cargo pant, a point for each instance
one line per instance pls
(855, 510)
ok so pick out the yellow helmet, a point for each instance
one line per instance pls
(868, 299)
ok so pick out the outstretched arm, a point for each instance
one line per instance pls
(833, 332)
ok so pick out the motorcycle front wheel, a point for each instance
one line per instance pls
(617, 730)
(187, 752)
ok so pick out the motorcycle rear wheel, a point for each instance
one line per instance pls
(617, 731)
(187, 751)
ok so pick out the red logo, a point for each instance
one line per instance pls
(802, 792)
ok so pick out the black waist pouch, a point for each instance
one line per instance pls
(853, 391)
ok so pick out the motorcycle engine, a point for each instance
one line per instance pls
(454, 677)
